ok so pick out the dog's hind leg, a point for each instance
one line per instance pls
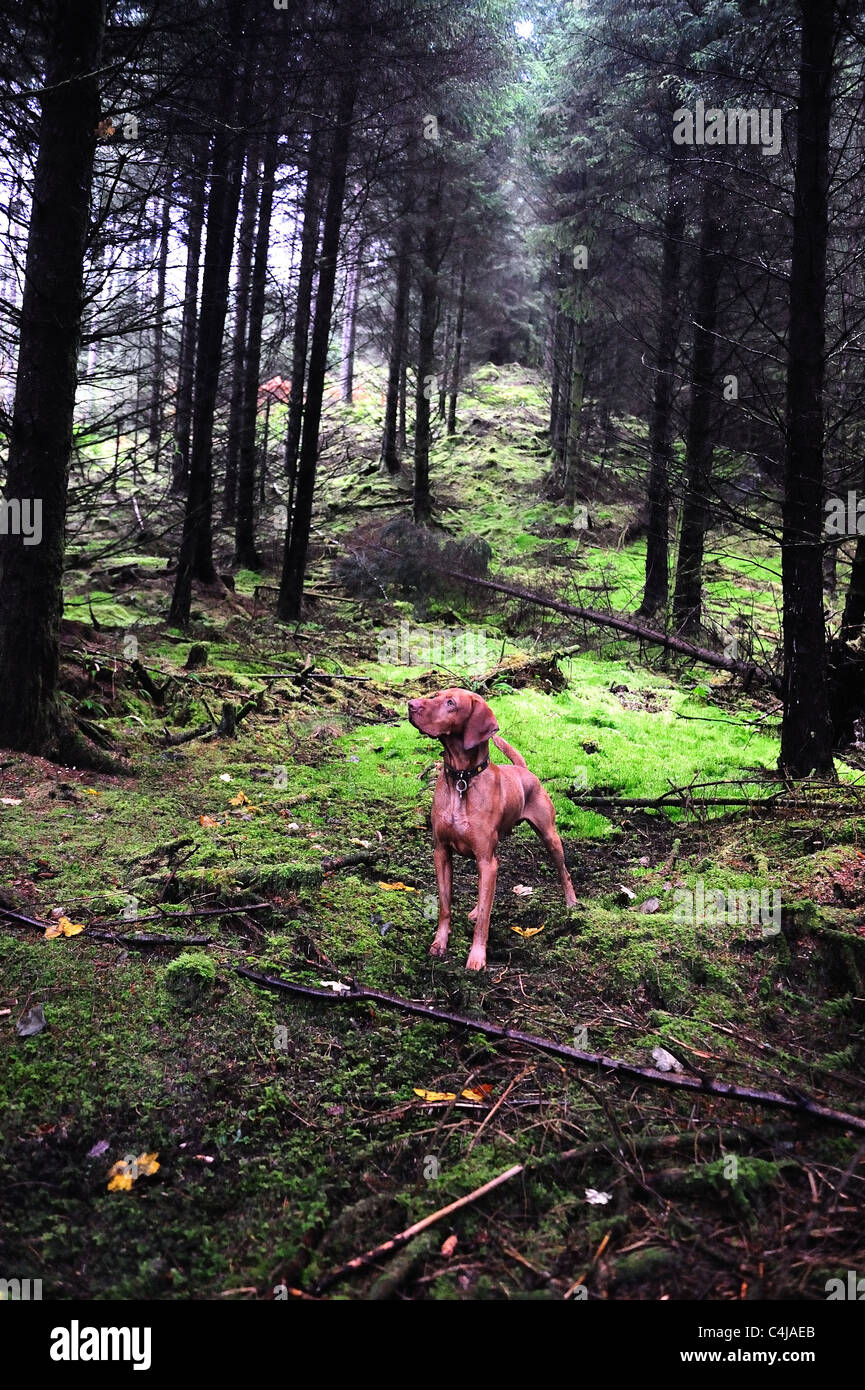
(541, 816)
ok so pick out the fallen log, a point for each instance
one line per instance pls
(746, 669)
(705, 1085)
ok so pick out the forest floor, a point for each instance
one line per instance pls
(265, 1138)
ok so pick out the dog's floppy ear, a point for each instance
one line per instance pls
(480, 725)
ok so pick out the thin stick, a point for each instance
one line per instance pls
(404, 1237)
(706, 1085)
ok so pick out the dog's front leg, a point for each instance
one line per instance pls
(488, 869)
(444, 879)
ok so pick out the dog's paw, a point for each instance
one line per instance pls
(477, 960)
(439, 949)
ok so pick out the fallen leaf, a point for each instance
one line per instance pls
(522, 891)
(208, 822)
(99, 1148)
(434, 1095)
(90, 791)
(336, 985)
(480, 1092)
(10, 800)
(240, 800)
(121, 1181)
(126, 1171)
(449, 1247)
(225, 777)
(397, 887)
(665, 1061)
(526, 931)
(598, 1199)
(650, 905)
(63, 927)
(32, 1022)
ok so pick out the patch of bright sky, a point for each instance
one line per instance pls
(524, 28)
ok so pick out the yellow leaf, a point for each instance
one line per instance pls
(91, 791)
(434, 1095)
(52, 930)
(126, 1171)
(526, 931)
(240, 800)
(208, 822)
(122, 1182)
(397, 887)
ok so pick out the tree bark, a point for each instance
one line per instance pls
(244, 538)
(349, 322)
(303, 309)
(245, 248)
(806, 732)
(426, 352)
(687, 597)
(189, 322)
(157, 383)
(457, 353)
(297, 539)
(390, 450)
(661, 426)
(196, 547)
(40, 441)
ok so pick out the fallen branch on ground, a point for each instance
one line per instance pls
(349, 861)
(747, 670)
(388, 1246)
(642, 1147)
(139, 939)
(702, 1084)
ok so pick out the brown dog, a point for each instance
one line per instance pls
(475, 803)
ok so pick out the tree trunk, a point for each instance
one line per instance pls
(303, 309)
(426, 353)
(447, 350)
(559, 422)
(40, 440)
(245, 248)
(390, 451)
(297, 540)
(349, 322)
(687, 597)
(854, 603)
(806, 733)
(189, 322)
(575, 398)
(196, 547)
(458, 353)
(661, 426)
(244, 539)
(157, 384)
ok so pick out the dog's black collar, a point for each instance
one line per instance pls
(462, 776)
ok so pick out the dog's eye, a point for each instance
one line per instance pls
(451, 704)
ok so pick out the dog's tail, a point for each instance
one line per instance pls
(516, 758)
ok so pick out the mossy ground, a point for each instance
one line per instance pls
(288, 1132)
